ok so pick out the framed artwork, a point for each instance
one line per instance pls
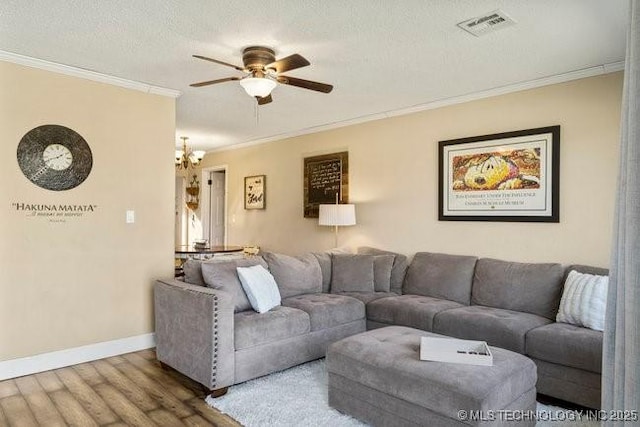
(325, 177)
(255, 192)
(512, 176)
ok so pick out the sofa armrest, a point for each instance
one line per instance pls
(194, 331)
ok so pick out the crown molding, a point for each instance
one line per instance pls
(86, 74)
(503, 90)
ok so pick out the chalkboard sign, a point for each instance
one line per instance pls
(324, 177)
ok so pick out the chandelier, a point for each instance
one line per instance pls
(187, 158)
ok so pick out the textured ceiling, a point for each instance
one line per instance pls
(380, 55)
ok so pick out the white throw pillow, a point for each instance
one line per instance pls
(584, 300)
(260, 287)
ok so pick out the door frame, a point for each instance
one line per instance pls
(205, 201)
(181, 226)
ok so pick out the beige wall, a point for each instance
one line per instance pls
(88, 279)
(393, 179)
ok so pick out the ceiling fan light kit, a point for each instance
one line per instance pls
(258, 86)
(264, 73)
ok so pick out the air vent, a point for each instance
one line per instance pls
(487, 23)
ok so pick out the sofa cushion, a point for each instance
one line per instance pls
(584, 300)
(295, 275)
(416, 311)
(327, 310)
(400, 264)
(441, 276)
(587, 269)
(260, 287)
(531, 288)
(192, 268)
(193, 272)
(324, 259)
(567, 345)
(352, 273)
(224, 276)
(367, 297)
(382, 266)
(251, 328)
(499, 327)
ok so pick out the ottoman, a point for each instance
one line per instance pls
(377, 376)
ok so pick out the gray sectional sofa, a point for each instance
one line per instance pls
(203, 332)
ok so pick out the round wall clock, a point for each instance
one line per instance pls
(54, 157)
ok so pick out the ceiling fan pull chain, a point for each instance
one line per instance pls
(257, 114)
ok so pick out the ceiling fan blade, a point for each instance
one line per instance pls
(305, 84)
(212, 82)
(264, 100)
(291, 62)
(219, 62)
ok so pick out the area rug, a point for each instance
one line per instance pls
(298, 397)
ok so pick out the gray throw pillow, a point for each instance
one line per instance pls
(382, 265)
(324, 259)
(352, 273)
(295, 275)
(192, 269)
(223, 275)
(193, 272)
(398, 270)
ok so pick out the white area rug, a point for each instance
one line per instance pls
(297, 397)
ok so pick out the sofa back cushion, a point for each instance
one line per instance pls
(352, 273)
(382, 268)
(531, 288)
(192, 268)
(295, 275)
(398, 269)
(324, 259)
(193, 272)
(586, 269)
(441, 276)
(223, 275)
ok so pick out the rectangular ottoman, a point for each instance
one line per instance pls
(377, 376)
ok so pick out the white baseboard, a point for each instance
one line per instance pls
(59, 359)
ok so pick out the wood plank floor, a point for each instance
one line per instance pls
(127, 390)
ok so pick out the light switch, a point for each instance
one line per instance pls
(131, 217)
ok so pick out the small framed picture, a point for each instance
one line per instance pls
(255, 192)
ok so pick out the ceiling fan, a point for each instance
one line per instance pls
(264, 73)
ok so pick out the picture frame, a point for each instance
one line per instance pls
(510, 176)
(325, 176)
(255, 194)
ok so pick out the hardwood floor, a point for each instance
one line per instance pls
(127, 390)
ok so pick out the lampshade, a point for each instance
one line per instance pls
(258, 86)
(337, 215)
(197, 155)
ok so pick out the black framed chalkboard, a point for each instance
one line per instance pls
(324, 177)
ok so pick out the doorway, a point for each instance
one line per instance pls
(214, 205)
